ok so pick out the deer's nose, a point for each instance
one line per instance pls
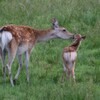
(73, 37)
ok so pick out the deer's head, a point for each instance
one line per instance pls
(61, 32)
(79, 37)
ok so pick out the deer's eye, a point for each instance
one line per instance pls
(64, 30)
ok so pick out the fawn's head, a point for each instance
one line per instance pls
(61, 32)
(79, 37)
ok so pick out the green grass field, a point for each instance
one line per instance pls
(78, 16)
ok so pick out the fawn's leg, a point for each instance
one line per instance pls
(73, 74)
(66, 71)
(19, 68)
(72, 71)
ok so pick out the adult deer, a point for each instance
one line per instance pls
(21, 39)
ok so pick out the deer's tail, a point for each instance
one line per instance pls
(5, 38)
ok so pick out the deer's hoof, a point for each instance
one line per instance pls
(14, 81)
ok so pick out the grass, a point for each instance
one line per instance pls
(46, 68)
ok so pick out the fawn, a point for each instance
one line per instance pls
(70, 56)
(17, 40)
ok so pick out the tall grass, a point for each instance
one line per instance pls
(78, 16)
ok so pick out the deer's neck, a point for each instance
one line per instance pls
(44, 35)
(76, 44)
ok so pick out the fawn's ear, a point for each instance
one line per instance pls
(83, 37)
(55, 23)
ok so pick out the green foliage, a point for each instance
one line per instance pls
(78, 16)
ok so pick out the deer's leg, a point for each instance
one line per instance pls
(66, 70)
(27, 55)
(2, 54)
(19, 68)
(72, 71)
(73, 74)
(11, 55)
(10, 61)
(68, 73)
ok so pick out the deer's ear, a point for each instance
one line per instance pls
(55, 23)
(83, 37)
